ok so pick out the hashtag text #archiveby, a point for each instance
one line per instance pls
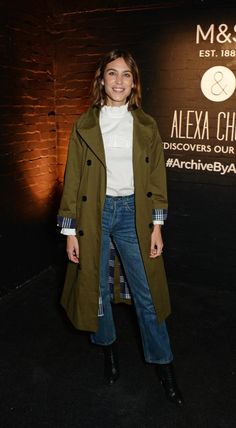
(201, 166)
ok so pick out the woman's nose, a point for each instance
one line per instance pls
(118, 78)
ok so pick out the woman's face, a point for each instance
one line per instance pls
(118, 82)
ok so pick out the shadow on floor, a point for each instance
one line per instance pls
(51, 376)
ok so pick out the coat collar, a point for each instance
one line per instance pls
(89, 129)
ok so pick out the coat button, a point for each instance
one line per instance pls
(89, 162)
(147, 159)
(81, 233)
(149, 194)
(84, 198)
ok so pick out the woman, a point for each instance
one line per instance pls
(115, 192)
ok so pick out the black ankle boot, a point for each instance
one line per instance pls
(167, 379)
(111, 366)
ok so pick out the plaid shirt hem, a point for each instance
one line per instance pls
(124, 289)
(70, 223)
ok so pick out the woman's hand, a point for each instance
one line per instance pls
(72, 248)
(156, 242)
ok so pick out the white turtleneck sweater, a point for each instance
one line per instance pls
(116, 125)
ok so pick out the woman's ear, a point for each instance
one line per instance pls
(102, 81)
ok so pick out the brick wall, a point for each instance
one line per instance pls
(82, 36)
(49, 51)
(28, 140)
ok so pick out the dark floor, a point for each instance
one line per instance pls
(51, 376)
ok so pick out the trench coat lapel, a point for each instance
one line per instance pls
(90, 131)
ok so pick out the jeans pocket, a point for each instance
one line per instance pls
(130, 206)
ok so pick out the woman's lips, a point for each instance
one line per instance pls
(118, 89)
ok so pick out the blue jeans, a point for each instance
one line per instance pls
(118, 223)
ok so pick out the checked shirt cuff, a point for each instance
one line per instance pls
(159, 216)
(67, 224)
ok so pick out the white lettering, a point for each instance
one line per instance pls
(224, 149)
(218, 135)
(174, 128)
(209, 167)
(204, 36)
(199, 165)
(224, 169)
(196, 125)
(217, 166)
(232, 168)
(211, 35)
(227, 122)
(186, 147)
(188, 123)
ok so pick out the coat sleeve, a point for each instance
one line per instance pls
(68, 207)
(158, 174)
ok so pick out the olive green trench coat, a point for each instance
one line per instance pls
(82, 205)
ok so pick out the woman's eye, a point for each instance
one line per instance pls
(111, 73)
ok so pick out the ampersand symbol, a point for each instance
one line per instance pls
(222, 33)
(218, 76)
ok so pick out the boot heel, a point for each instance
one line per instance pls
(111, 365)
(167, 379)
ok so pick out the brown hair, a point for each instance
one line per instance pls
(98, 92)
